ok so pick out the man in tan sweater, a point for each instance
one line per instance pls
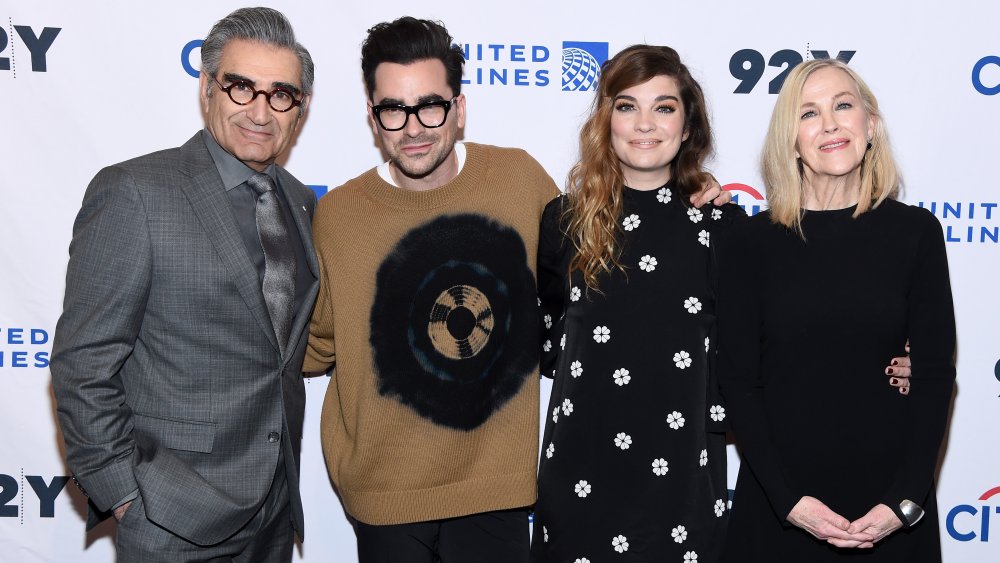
(428, 312)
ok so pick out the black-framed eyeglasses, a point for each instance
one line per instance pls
(392, 117)
(242, 92)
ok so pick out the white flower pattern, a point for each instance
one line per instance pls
(647, 263)
(637, 336)
(631, 222)
(547, 346)
(622, 377)
(675, 420)
(717, 412)
(602, 334)
(567, 407)
(692, 304)
(663, 195)
(682, 359)
(623, 440)
(660, 467)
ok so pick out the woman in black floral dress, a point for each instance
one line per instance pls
(633, 457)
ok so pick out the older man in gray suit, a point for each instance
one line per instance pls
(177, 359)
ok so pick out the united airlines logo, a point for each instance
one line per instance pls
(534, 65)
(967, 221)
(24, 347)
(581, 65)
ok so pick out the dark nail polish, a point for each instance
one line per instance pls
(893, 380)
(889, 371)
(894, 362)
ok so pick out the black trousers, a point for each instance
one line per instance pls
(489, 537)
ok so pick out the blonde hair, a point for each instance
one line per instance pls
(594, 186)
(782, 171)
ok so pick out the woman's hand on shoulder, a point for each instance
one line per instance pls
(711, 191)
(818, 519)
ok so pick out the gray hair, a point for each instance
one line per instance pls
(262, 25)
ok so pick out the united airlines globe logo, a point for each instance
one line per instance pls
(581, 65)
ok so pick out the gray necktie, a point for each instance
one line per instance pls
(279, 259)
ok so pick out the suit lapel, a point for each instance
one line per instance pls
(302, 214)
(301, 210)
(212, 208)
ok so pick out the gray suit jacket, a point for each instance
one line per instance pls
(167, 374)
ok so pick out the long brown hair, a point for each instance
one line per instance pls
(595, 182)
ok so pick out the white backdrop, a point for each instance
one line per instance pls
(86, 84)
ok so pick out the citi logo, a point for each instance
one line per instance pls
(21, 43)
(986, 75)
(747, 197)
(967, 522)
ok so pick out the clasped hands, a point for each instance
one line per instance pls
(813, 516)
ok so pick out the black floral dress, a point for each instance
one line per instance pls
(633, 455)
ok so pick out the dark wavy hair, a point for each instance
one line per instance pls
(407, 40)
(595, 183)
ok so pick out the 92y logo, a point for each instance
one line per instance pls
(748, 66)
(34, 45)
(45, 492)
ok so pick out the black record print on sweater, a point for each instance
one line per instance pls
(446, 298)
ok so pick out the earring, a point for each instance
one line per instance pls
(869, 147)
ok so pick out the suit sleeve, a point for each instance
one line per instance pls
(742, 382)
(107, 286)
(931, 330)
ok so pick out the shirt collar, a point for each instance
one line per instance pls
(233, 172)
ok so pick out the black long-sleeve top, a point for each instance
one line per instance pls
(805, 330)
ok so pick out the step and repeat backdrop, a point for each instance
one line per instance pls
(87, 84)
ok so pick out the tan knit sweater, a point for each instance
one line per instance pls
(427, 308)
